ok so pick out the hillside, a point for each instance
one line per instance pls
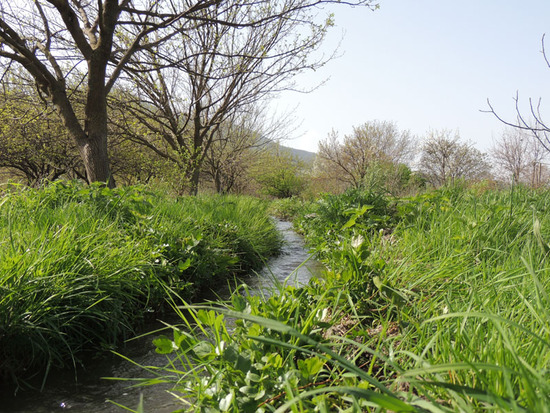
(305, 156)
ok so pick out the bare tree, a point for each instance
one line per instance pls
(222, 70)
(90, 44)
(445, 159)
(533, 121)
(517, 154)
(371, 143)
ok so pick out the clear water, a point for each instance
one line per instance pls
(92, 394)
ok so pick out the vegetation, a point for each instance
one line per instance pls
(279, 173)
(370, 146)
(436, 302)
(74, 50)
(445, 159)
(82, 265)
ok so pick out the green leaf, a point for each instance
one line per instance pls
(203, 349)
(239, 303)
(206, 317)
(383, 400)
(249, 391)
(164, 345)
(182, 266)
(310, 367)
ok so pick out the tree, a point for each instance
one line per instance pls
(33, 145)
(517, 154)
(190, 101)
(237, 145)
(532, 123)
(444, 159)
(370, 144)
(279, 173)
(89, 45)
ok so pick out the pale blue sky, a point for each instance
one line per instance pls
(427, 64)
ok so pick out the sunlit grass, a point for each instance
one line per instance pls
(82, 265)
(448, 310)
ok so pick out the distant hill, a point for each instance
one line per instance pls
(304, 156)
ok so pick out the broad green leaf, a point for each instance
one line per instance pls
(164, 345)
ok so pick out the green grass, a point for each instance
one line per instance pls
(477, 269)
(82, 265)
(437, 303)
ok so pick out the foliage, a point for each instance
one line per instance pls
(87, 46)
(446, 312)
(393, 179)
(279, 173)
(82, 265)
(336, 219)
(445, 159)
(370, 145)
(288, 209)
(33, 143)
(240, 357)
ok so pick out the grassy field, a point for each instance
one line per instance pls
(82, 266)
(433, 303)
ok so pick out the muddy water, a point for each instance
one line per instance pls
(92, 394)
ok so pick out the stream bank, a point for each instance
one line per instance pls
(91, 393)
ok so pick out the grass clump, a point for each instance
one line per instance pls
(456, 295)
(82, 265)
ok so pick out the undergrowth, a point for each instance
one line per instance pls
(82, 265)
(437, 302)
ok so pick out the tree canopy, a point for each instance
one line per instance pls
(70, 46)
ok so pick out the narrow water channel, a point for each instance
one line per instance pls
(92, 394)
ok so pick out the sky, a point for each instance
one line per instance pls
(426, 65)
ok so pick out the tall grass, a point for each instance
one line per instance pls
(82, 265)
(477, 267)
(463, 282)
(437, 303)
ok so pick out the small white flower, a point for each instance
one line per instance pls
(445, 310)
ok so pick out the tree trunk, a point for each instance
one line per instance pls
(92, 140)
(93, 147)
(96, 160)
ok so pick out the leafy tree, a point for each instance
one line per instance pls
(89, 46)
(370, 145)
(387, 177)
(33, 144)
(445, 159)
(279, 173)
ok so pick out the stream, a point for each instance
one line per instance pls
(92, 394)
